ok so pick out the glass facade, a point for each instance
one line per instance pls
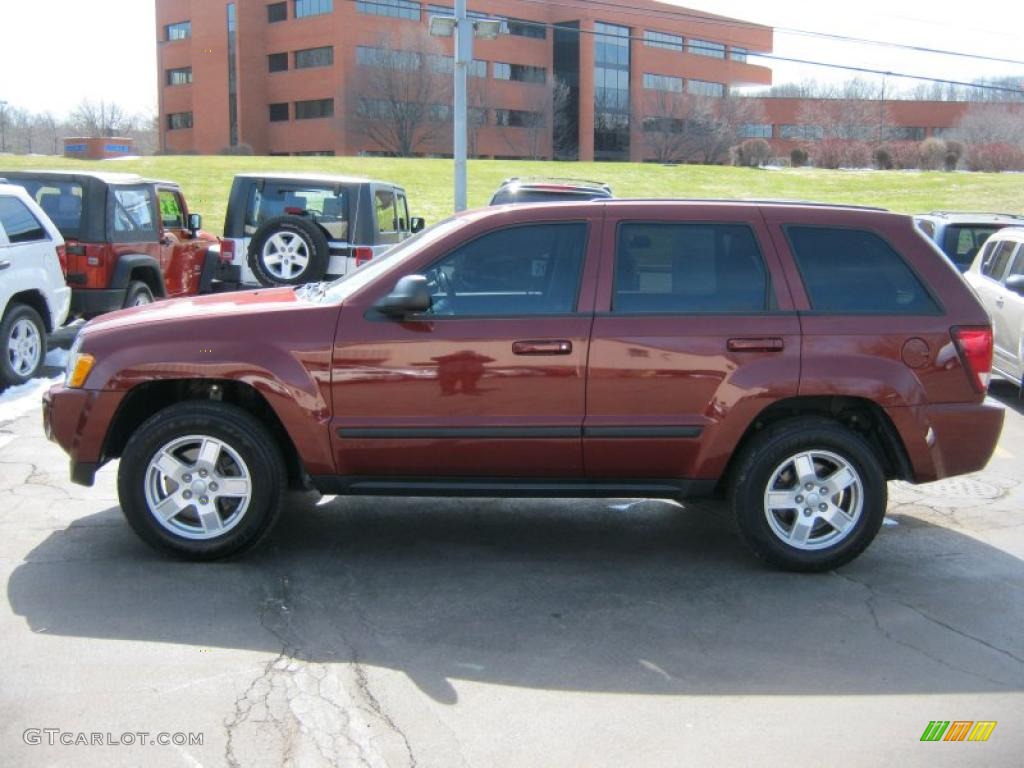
(664, 40)
(706, 48)
(611, 92)
(663, 83)
(314, 57)
(232, 76)
(396, 9)
(704, 88)
(313, 7)
(566, 123)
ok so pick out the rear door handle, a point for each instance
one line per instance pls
(4, 264)
(769, 344)
(542, 347)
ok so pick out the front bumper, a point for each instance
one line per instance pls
(78, 421)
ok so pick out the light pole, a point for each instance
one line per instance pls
(464, 31)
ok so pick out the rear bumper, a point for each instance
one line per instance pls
(96, 301)
(948, 440)
(77, 420)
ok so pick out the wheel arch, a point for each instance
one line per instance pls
(34, 299)
(148, 399)
(141, 267)
(860, 415)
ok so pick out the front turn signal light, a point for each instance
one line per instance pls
(78, 370)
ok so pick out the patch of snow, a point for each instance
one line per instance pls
(57, 358)
(15, 402)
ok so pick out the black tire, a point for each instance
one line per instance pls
(230, 426)
(764, 460)
(138, 294)
(15, 365)
(309, 241)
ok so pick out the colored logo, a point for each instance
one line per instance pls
(958, 730)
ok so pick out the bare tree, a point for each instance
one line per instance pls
(856, 111)
(674, 125)
(100, 118)
(992, 124)
(50, 127)
(5, 121)
(402, 96)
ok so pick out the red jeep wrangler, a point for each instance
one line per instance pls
(793, 357)
(129, 239)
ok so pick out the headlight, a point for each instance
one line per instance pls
(79, 365)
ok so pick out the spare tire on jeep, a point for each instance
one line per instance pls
(288, 250)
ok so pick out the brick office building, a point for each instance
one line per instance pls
(280, 76)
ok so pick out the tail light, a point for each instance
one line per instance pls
(975, 347)
(62, 256)
(362, 254)
(227, 251)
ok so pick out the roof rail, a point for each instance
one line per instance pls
(976, 213)
(753, 201)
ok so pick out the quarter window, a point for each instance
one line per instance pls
(857, 272)
(996, 259)
(532, 270)
(688, 268)
(19, 223)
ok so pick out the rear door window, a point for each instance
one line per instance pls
(327, 206)
(854, 271)
(996, 259)
(688, 268)
(19, 222)
(131, 216)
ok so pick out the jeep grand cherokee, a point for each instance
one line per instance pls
(793, 357)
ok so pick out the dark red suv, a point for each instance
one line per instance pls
(793, 357)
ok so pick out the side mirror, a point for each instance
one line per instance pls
(416, 223)
(195, 223)
(409, 296)
(1015, 283)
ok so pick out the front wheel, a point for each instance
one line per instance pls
(808, 495)
(201, 481)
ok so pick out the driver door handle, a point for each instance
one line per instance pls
(4, 264)
(542, 347)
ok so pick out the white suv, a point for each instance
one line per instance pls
(997, 277)
(34, 299)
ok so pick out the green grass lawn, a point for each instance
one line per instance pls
(206, 181)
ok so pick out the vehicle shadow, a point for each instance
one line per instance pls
(622, 596)
(1007, 393)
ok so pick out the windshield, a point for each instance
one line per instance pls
(343, 287)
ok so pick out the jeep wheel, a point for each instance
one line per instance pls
(138, 294)
(201, 480)
(288, 250)
(23, 342)
(808, 495)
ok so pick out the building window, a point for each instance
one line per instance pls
(305, 8)
(232, 76)
(313, 109)
(738, 54)
(806, 132)
(756, 130)
(905, 132)
(611, 92)
(663, 83)
(520, 28)
(521, 73)
(706, 48)
(277, 62)
(664, 40)
(277, 12)
(309, 58)
(279, 113)
(704, 88)
(386, 58)
(395, 9)
(316, 153)
(179, 31)
(440, 113)
(179, 76)
(179, 120)
(516, 118)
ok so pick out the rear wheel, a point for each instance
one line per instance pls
(201, 480)
(138, 294)
(22, 344)
(808, 495)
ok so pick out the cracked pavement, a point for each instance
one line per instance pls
(448, 633)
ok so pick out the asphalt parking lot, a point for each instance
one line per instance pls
(411, 632)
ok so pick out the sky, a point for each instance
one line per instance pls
(57, 52)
